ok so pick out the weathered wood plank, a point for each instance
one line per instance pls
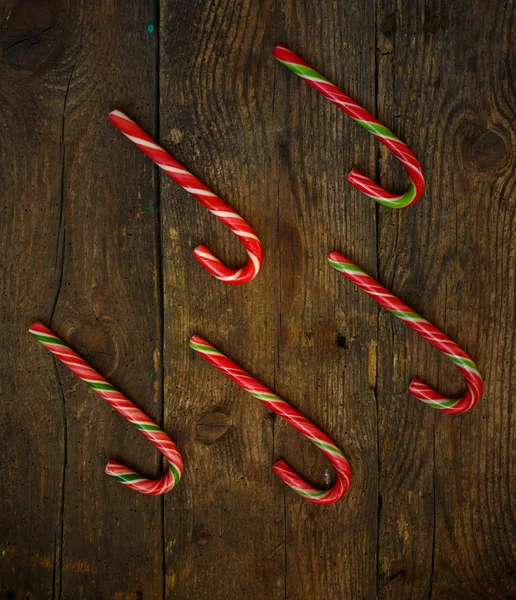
(38, 52)
(406, 243)
(327, 337)
(104, 283)
(225, 526)
(475, 555)
(447, 524)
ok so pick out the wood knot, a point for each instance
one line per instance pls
(388, 25)
(309, 339)
(211, 427)
(96, 346)
(33, 35)
(489, 151)
(341, 340)
(203, 537)
(412, 297)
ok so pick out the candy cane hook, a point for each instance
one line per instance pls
(206, 197)
(366, 119)
(127, 409)
(437, 338)
(292, 416)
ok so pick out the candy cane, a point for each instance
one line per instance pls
(127, 409)
(366, 119)
(441, 341)
(292, 416)
(206, 197)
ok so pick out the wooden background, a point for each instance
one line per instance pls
(97, 243)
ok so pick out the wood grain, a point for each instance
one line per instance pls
(406, 443)
(97, 267)
(109, 308)
(34, 74)
(98, 244)
(216, 118)
(445, 481)
(327, 341)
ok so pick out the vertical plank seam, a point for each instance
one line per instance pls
(62, 191)
(378, 314)
(57, 566)
(57, 569)
(278, 341)
(160, 275)
(434, 486)
(432, 564)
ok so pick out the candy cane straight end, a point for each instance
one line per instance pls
(436, 337)
(371, 124)
(196, 339)
(337, 257)
(127, 409)
(116, 113)
(292, 416)
(206, 197)
(280, 52)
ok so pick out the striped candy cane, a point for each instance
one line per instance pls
(292, 416)
(441, 341)
(366, 119)
(206, 197)
(127, 409)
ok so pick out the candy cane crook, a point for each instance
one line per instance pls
(441, 341)
(292, 416)
(127, 409)
(206, 197)
(366, 119)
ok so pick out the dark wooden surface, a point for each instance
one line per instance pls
(96, 243)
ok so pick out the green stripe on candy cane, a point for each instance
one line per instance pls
(47, 339)
(206, 349)
(94, 385)
(302, 71)
(377, 129)
(147, 426)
